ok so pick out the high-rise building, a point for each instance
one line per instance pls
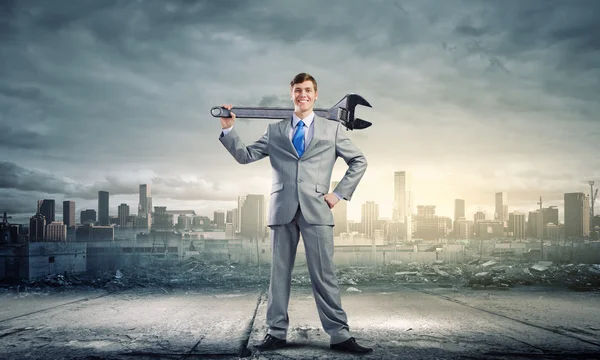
(550, 215)
(253, 216)
(37, 227)
(340, 214)
(463, 229)
(577, 215)
(237, 226)
(163, 221)
(403, 202)
(46, 207)
(501, 208)
(516, 225)
(56, 231)
(219, 219)
(123, 212)
(369, 218)
(426, 211)
(459, 209)
(479, 216)
(144, 207)
(535, 224)
(87, 215)
(69, 213)
(144, 216)
(103, 218)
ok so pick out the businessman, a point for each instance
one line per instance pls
(303, 150)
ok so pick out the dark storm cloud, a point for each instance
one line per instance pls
(15, 177)
(16, 202)
(24, 139)
(25, 93)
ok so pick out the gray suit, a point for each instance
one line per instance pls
(297, 206)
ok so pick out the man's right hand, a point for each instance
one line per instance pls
(228, 122)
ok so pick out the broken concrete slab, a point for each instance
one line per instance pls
(399, 323)
(186, 322)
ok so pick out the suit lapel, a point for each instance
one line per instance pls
(319, 128)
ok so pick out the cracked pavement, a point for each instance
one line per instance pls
(400, 321)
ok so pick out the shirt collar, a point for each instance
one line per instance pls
(307, 120)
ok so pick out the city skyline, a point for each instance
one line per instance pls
(490, 211)
(472, 98)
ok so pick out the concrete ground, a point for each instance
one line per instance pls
(398, 321)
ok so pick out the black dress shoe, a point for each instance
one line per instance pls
(350, 346)
(270, 342)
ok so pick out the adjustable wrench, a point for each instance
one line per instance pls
(342, 112)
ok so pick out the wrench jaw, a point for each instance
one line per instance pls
(343, 111)
(360, 124)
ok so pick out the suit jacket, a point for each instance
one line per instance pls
(302, 181)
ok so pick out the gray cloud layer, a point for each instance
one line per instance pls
(94, 92)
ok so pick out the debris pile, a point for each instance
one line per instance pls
(194, 273)
(578, 277)
(189, 273)
(475, 274)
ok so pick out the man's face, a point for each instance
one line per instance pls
(304, 96)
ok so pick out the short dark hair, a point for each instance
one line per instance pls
(302, 77)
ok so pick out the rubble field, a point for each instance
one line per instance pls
(194, 273)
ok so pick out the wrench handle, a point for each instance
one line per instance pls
(252, 112)
(260, 112)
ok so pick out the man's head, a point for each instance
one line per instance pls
(303, 91)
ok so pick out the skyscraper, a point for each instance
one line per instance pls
(459, 209)
(402, 209)
(37, 227)
(145, 208)
(219, 219)
(253, 216)
(69, 213)
(46, 207)
(369, 218)
(123, 212)
(501, 208)
(516, 225)
(340, 214)
(577, 215)
(103, 218)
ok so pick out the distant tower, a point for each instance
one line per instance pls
(46, 207)
(577, 215)
(501, 213)
(69, 213)
(103, 218)
(403, 201)
(459, 209)
(369, 218)
(145, 207)
(592, 201)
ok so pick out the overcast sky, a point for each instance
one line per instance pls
(471, 97)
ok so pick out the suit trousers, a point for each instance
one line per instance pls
(318, 243)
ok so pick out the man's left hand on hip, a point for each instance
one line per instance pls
(331, 200)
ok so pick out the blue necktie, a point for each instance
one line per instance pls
(298, 139)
